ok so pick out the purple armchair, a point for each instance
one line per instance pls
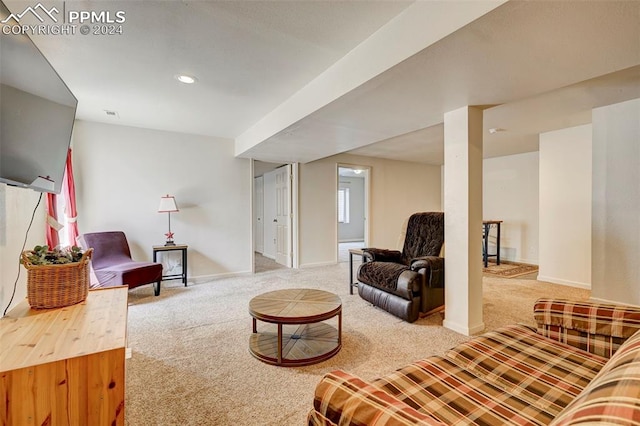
(113, 264)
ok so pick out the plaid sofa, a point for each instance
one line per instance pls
(581, 365)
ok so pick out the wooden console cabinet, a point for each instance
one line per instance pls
(65, 366)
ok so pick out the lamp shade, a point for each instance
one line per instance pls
(168, 204)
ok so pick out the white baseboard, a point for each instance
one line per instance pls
(315, 265)
(467, 331)
(564, 282)
(206, 278)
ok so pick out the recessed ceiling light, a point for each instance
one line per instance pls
(496, 130)
(186, 79)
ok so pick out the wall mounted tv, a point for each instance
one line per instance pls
(37, 112)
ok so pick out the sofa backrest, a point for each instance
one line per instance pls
(599, 328)
(424, 236)
(109, 248)
(613, 396)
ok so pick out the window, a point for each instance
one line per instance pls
(343, 205)
(61, 210)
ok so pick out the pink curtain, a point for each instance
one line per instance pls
(69, 197)
(52, 220)
(69, 193)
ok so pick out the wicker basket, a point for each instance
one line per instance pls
(55, 286)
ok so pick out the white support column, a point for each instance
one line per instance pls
(463, 220)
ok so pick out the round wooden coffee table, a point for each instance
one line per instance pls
(306, 339)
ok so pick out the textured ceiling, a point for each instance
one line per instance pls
(536, 65)
(540, 64)
(248, 56)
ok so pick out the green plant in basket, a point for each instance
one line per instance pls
(43, 255)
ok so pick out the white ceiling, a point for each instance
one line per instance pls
(517, 123)
(526, 58)
(542, 65)
(351, 172)
(249, 56)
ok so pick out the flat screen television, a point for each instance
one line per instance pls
(37, 112)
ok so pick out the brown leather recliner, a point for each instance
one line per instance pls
(410, 282)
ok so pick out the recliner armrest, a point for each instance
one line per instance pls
(381, 255)
(434, 269)
(427, 262)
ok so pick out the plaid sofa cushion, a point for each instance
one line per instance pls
(613, 397)
(509, 376)
(341, 398)
(545, 373)
(595, 327)
(438, 387)
(317, 419)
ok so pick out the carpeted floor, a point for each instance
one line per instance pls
(343, 251)
(264, 264)
(191, 364)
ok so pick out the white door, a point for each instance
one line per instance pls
(283, 215)
(258, 187)
(269, 216)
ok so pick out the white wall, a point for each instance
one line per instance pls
(16, 208)
(616, 203)
(510, 194)
(354, 229)
(121, 173)
(565, 206)
(398, 189)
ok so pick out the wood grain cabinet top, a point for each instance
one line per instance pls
(65, 366)
(37, 336)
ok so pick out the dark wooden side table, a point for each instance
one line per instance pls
(178, 247)
(487, 225)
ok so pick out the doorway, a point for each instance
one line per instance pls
(273, 205)
(352, 209)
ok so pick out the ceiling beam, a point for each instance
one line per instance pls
(417, 27)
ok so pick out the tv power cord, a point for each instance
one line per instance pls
(24, 244)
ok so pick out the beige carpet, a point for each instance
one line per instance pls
(508, 269)
(191, 365)
(343, 252)
(264, 264)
